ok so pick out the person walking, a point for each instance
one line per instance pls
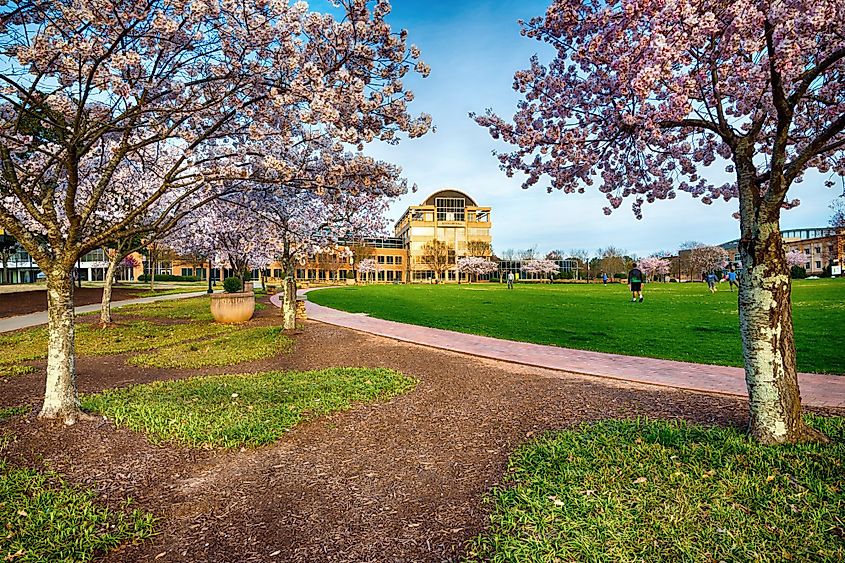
(732, 280)
(510, 280)
(604, 278)
(635, 282)
(711, 282)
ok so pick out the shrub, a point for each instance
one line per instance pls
(232, 285)
(798, 272)
(350, 275)
(620, 276)
(566, 275)
(168, 277)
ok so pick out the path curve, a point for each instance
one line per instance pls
(816, 390)
(35, 319)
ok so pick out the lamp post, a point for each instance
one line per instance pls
(210, 290)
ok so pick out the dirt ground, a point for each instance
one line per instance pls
(390, 482)
(25, 302)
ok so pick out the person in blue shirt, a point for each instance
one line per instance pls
(732, 280)
(711, 282)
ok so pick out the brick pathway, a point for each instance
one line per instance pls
(816, 390)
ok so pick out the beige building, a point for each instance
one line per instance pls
(451, 217)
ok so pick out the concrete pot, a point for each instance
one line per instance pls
(232, 307)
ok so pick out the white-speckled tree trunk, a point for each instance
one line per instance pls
(108, 281)
(60, 398)
(289, 303)
(765, 318)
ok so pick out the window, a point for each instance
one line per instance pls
(187, 271)
(818, 250)
(95, 255)
(277, 273)
(807, 266)
(818, 265)
(398, 260)
(807, 251)
(381, 259)
(450, 208)
(389, 259)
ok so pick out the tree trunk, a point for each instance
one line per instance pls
(105, 306)
(765, 320)
(765, 317)
(5, 279)
(289, 303)
(60, 398)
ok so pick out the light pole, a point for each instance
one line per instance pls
(210, 290)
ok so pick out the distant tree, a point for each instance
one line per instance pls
(438, 256)
(508, 254)
(528, 253)
(366, 267)
(474, 266)
(796, 258)
(613, 260)
(838, 208)
(654, 267)
(554, 255)
(479, 248)
(545, 268)
(707, 258)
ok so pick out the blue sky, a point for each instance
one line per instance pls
(473, 49)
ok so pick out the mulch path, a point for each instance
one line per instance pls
(396, 481)
(35, 301)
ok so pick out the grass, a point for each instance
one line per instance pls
(15, 370)
(668, 491)
(9, 412)
(245, 345)
(47, 519)
(677, 321)
(242, 410)
(191, 308)
(91, 340)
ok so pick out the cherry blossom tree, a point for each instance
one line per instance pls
(707, 258)
(644, 96)
(654, 266)
(366, 267)
(543, 268)
(475, 266)
(796, 258)
(88, 86)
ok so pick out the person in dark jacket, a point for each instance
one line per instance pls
(635, 282)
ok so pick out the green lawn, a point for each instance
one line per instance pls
(658, 491)
(248, 409)
(676, 321)
(243, 345)
(47, 519)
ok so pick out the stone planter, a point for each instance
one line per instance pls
(232, 307)
(350, 281)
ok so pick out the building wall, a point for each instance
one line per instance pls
(449, 216)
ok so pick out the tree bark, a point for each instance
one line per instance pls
(60, 398)
(105, 306)
(765, 317)
(289, 303)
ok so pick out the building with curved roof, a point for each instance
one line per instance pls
(450, 222)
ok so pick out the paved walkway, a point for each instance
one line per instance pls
(816, 390)
(34, 319)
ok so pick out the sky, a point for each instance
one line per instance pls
(474, 48)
